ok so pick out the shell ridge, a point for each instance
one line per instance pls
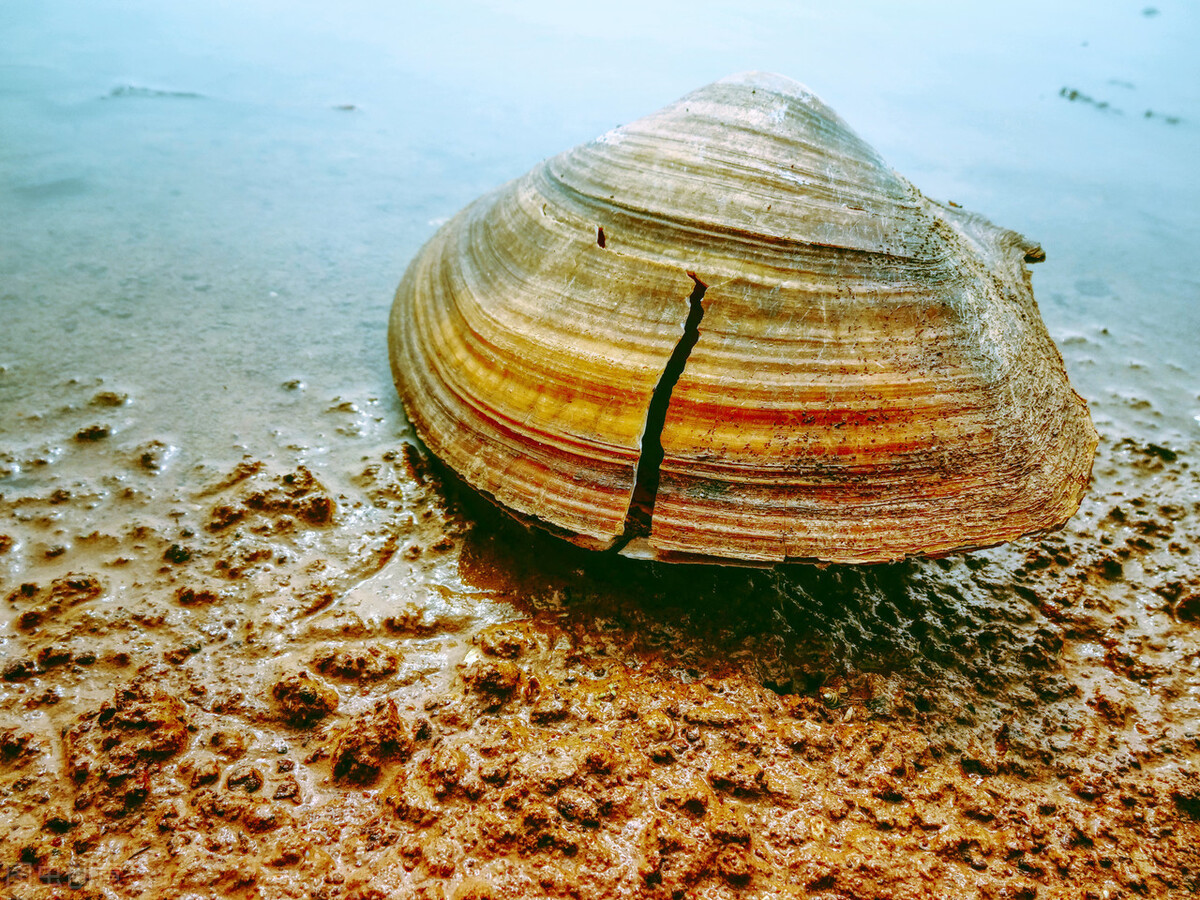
(871, 379)
(731, 239)
(802, 174)
(480, 438)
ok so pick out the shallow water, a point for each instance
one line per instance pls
(204, 204)
(206, 210)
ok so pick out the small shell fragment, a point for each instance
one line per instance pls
(729, 332)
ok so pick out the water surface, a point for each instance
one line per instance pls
(204, 202)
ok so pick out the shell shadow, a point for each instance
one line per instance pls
(941, 633)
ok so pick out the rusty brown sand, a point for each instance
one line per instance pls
(268, 679)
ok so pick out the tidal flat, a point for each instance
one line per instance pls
(255, 643)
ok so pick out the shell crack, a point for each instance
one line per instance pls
(645, 491)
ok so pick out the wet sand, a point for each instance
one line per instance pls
(254, 643)
(282, 680)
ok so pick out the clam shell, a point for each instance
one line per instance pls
(834, 366)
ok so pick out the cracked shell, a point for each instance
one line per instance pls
(870, 377)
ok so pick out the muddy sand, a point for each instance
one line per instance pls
(348, 678)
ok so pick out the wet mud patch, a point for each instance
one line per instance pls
(1062, 666)
(297, 676)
